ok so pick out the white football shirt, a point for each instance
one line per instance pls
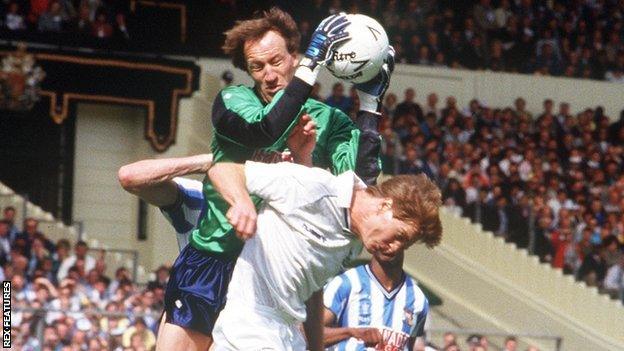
(302, 238)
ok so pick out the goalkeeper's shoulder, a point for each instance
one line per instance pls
(236, 91)
(314, 107)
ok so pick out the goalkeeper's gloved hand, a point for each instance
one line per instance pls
(371, 93)
(328, 35)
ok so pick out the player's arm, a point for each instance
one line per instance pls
(151, 180)
(367, 143)
(285, 186)
(313, 324)
(231, 118)
(333, 335)
(230, 181)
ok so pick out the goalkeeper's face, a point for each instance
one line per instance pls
(270, 64)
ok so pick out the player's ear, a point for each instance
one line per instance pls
(296, 59)
(386, 204)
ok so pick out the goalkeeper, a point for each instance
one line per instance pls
(255, 124)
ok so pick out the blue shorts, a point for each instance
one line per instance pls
(197, 288)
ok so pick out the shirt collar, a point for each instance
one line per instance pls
(345, 184)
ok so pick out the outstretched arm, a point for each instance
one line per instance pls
(263, 127)
(360, 150)
(151, 180)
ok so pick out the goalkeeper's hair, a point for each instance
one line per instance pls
(253, 29)
(416, 200)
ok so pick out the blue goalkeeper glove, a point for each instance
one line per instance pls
(328, 35)
(371, 92)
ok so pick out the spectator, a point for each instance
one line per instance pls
(432, 106)
(82, 24)
(121, 275)
(389, 106)
(316, 92)
(484, 17)
(9, 216)
(31, 233)
(338, 99)
(138, 336)
(37, 8)
(14, 19)
(122, 34)
(62, 252)
(511, 344)
(614, 279)
(474, 55)
(594, 267)
(227, 78)
(502, 14)
(79, 257)
(449, 339)
(51, 20)
(5, 243)
(162, 277)
(101, 29)
(38, 256)
(547, 61)
(408, 107)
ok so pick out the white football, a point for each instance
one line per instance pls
(360, 58)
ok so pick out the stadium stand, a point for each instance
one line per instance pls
(551, 182)
(559, 38)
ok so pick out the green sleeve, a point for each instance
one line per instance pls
(239, 117)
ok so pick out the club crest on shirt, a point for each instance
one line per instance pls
(364, 316)
(408, 316)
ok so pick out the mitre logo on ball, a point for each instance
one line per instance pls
(360, 58)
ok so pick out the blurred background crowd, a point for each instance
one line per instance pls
(59, 291)
(582, 39)
(86, 19)
(552, 183)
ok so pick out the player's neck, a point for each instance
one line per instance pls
(389, 274)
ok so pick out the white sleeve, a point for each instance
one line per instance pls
(612, 279)
(286, 186)
(64, 268)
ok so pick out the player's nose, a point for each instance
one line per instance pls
(270, 76)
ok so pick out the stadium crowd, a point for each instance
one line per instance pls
(57, 293)
(103, 20)
(583, 39)
(558, 175)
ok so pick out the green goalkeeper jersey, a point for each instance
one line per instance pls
(241, 133)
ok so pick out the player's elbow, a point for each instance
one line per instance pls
(126, 178)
